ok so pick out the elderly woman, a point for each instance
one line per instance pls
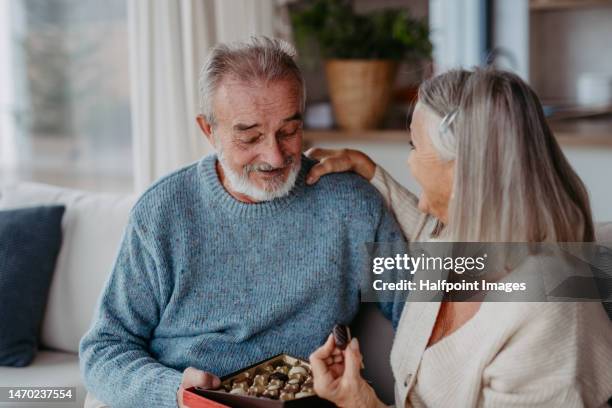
(490, 171)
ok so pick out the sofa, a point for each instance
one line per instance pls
(92, 229)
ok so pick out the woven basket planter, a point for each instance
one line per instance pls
(360, 91)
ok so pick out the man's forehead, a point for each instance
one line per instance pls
(237, 100)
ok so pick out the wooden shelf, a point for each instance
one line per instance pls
(577, 133)
(369, 136)
(543, 5)
(583, 132)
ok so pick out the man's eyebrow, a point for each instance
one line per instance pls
(295, 116)
(242, 126)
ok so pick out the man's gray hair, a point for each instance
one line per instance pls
(259, 59)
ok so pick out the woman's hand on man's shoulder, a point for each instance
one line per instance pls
(337, 161)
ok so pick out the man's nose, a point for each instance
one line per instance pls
(272, 153)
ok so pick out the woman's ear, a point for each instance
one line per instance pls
(206, 128)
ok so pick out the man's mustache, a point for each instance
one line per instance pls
(249, 168)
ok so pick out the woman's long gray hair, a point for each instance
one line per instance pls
(512, 182)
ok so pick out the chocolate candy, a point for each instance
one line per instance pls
(272, 392)
(241, 384)
(286, 396)
(238, 391)
(298, 370)
(308, 382)
(256, 390)
(279, 380)
(282, 369)
(261, 379)
(293, 388)
(305, 393)
(298, 378)
(277, 375)
(276, 381)
(342, 336)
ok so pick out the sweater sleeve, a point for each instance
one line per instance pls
(403, 203)
(533, 368)
(115, 362)
(390, 234)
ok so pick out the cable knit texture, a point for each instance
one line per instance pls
(204, 280)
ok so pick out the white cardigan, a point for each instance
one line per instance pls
(508, 355)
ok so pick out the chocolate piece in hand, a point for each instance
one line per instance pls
(342, 336)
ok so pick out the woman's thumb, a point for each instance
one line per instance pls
(352, 359)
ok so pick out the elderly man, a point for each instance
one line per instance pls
(232, 259)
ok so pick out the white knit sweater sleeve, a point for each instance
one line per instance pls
(402, 203)
(560, 356)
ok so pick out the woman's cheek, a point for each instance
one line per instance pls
(415, 169)
(424, 203)
(413, 166)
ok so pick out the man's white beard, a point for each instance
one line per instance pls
(240, 183)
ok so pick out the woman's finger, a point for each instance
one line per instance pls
(315, 173)
(325, 350)
(323, 376)
(192, 377)
(319, 170)
(318, 153)
(326, 166)
(337, 370)
(352, 360)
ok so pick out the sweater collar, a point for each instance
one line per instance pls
(229, 204)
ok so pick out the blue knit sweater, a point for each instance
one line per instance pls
(204, 280)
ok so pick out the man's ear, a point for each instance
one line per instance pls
(206, 127)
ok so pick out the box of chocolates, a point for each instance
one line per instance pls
(281, 381)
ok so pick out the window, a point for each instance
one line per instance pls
(64, 93)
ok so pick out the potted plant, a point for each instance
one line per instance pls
(361, 54)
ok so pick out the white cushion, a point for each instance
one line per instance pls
(92, 227)
(49, 369)
(92, 402)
